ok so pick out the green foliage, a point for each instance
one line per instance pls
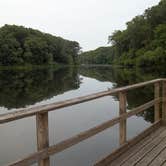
(160, 35)
(23, 87)
(150, 58)
(143, 43)
(20, 46)
(98, 56)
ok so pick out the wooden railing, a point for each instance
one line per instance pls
(41, 113)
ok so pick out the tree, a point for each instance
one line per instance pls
(142, 43)
(21, 46)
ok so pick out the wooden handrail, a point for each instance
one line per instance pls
(122, 149)
(83, 136)
(26, 112)
(41, 112)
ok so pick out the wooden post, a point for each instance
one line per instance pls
(42, 135)
(164, 102)
(122, 124)
(157, 104)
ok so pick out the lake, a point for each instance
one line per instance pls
(27, 88)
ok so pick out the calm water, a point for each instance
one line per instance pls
(26, 88)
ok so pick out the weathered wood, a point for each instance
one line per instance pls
(41, 112)
(164, 163)
(42, 136)
(141, 108)
(164, 102)
(122, 124)
(144, 151)
(84, 135)
(136, 148)
(26, 112)
(148, 158)
(143, 156)
(123, 148)
(157, 105)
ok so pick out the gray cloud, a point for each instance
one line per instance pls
(87, 21)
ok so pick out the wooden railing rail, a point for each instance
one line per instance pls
(41, 112)
(26, 112)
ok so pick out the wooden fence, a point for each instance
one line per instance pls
(41, 112)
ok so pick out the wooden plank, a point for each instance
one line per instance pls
(42, 136)
(122, 124)
(135, 110)
(164, 102)
(26, 112)
(138, 85)
(136, 148)
(164, 163)
(157, 105)
(42, 154)
(160, 159)
(141, 108)
(72, 141)
(122, 149)
(155, 152)
(144, 151)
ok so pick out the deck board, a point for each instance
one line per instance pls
(163, 164)
(133, 150)
(160, 159)
(150, 151)
(153, 154)
(137, 157)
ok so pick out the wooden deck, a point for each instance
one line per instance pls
(150, 151)
(147, 148)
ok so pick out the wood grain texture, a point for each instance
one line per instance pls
(122, 124)
(164, 102)
(136, 148)
(122, 149)
(157, 105)
(151, 155)
(144, 151)
(84, 135)
(41, 112)
(164, 163)
(42, 136)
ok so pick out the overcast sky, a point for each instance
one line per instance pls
(87, 21)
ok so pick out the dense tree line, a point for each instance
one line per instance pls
(99, 56)
(142, 43)
(20, 46)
